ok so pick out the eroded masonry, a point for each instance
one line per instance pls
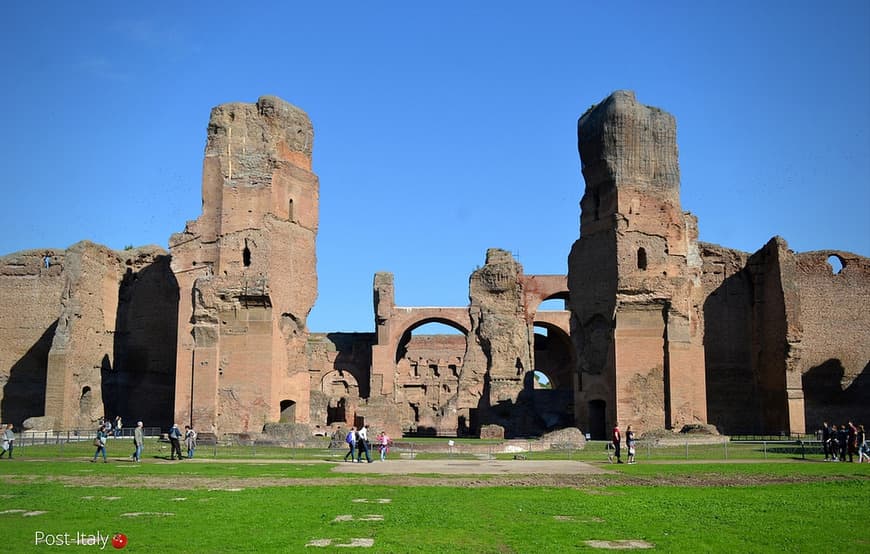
(657, 330)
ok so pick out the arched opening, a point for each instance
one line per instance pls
(341, 395)
(548, 389)
(597, 418)
(433, 339)
(290, 213)
(641, 259)
(836, 263)
(553, 304)
(541, 381)
(428, 361)
(85, 400)
(246, 255)
(288, 411)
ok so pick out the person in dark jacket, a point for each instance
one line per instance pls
(843, 441)
(826, 440)
(175, 441)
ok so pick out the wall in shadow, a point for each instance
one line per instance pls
(141, 386)
(24, 392)
(825, 398)
(732, 384)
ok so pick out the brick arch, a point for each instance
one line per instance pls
(539, 288)
(405, 320)
(405, 336)
(560, 376)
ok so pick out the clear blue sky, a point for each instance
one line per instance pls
(441, 128)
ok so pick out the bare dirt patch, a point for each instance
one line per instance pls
(590, 483)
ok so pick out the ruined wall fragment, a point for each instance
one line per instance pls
(31, 283)
(834, 366)
(634, 275)
(113, 344)
(246, 269)
(733, 403)
(501, 352)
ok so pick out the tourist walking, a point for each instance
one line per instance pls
(384, 443)
(826, 440)
(175, 442)
(7, 441)
(118, 425)
(616, 439)
(138, 441)
(100, 443)
(843, 441)
(863, 446)
(350, 439)
(852, 440)
(362, 444)
(629, 441)
(189, 440)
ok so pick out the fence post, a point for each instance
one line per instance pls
(687, 448)
(726, 449)
(764, 447)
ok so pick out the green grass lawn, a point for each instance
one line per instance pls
(226, 506)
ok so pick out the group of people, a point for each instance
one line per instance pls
(107, 428)
(844, 441)
(175, 438)
(616, 445)
(358, 441)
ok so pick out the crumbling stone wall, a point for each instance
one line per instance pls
(664, 330)
(834, 366)
(500, 355)
(246, 269)
(339, 370)
(634, 275)
(31, 283)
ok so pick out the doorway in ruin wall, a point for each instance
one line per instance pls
(341, 391)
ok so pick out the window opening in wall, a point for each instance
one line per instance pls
(836, 263)
(290, 215)
(541, 381)
(641, 258)
(86, 391)
(246, 255)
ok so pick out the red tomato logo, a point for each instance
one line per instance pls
(119, 541)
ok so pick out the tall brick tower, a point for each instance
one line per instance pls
(246, 272)
(634, 275)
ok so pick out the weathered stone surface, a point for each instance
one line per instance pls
(570, 437)
(634, 275)
(31, 283)
(38, 423)
(112, 350)
(246, 272)
(492, 431)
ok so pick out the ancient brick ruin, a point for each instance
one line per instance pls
(658, 329)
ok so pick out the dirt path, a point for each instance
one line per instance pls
(415, 473)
